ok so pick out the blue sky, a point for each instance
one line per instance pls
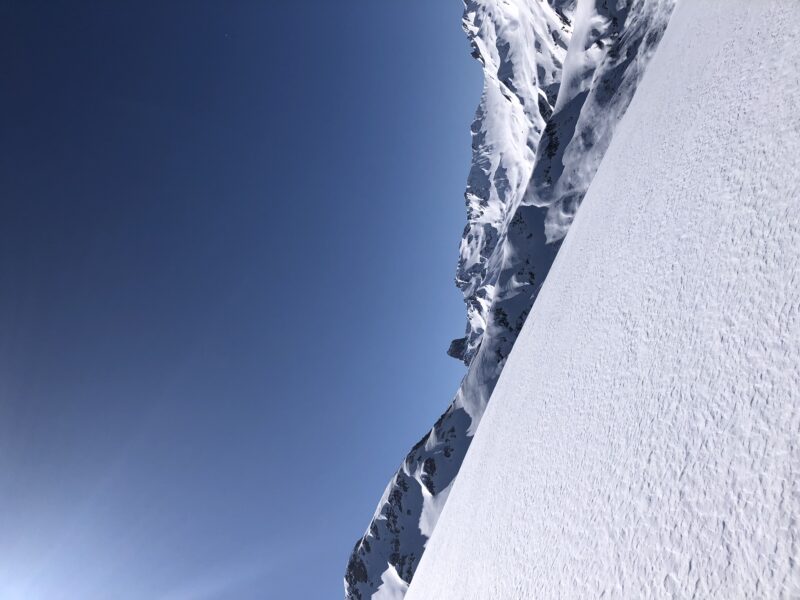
(228, 234)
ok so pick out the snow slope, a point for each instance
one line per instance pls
(644, 437)
(608, 52)
(521, 45)
(525, 48)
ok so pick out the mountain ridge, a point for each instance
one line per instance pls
(642, 438)
(512, 234)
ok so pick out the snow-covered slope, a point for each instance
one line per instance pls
(523, 46)
(608, 52)
(644, 437)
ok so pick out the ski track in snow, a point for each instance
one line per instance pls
(644, 437)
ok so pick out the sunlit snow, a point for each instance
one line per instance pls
(644, 437)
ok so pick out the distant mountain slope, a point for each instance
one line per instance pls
(537, 82)
(644, 437)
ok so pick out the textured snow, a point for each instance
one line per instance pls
(520, 45)
(610, 47)
(644, 437)
(392, 586)
(505, 255)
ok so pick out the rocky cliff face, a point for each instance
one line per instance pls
(557, 78)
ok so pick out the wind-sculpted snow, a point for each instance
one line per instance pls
(504, 254)
(610, 47)
(644, 437)
(521, 46)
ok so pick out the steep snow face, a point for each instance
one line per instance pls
(643, 437)
(505, 254)
(610, 48)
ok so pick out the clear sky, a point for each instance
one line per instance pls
(228, 235)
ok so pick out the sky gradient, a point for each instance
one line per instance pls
(228, 235)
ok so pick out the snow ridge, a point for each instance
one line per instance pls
(524, 47)
(521, 46)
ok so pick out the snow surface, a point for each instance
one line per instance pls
(610, 47)
(505, 253)
(521, 45)
(644, 437)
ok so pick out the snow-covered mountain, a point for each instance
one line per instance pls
(557, 79)
(643, 439)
